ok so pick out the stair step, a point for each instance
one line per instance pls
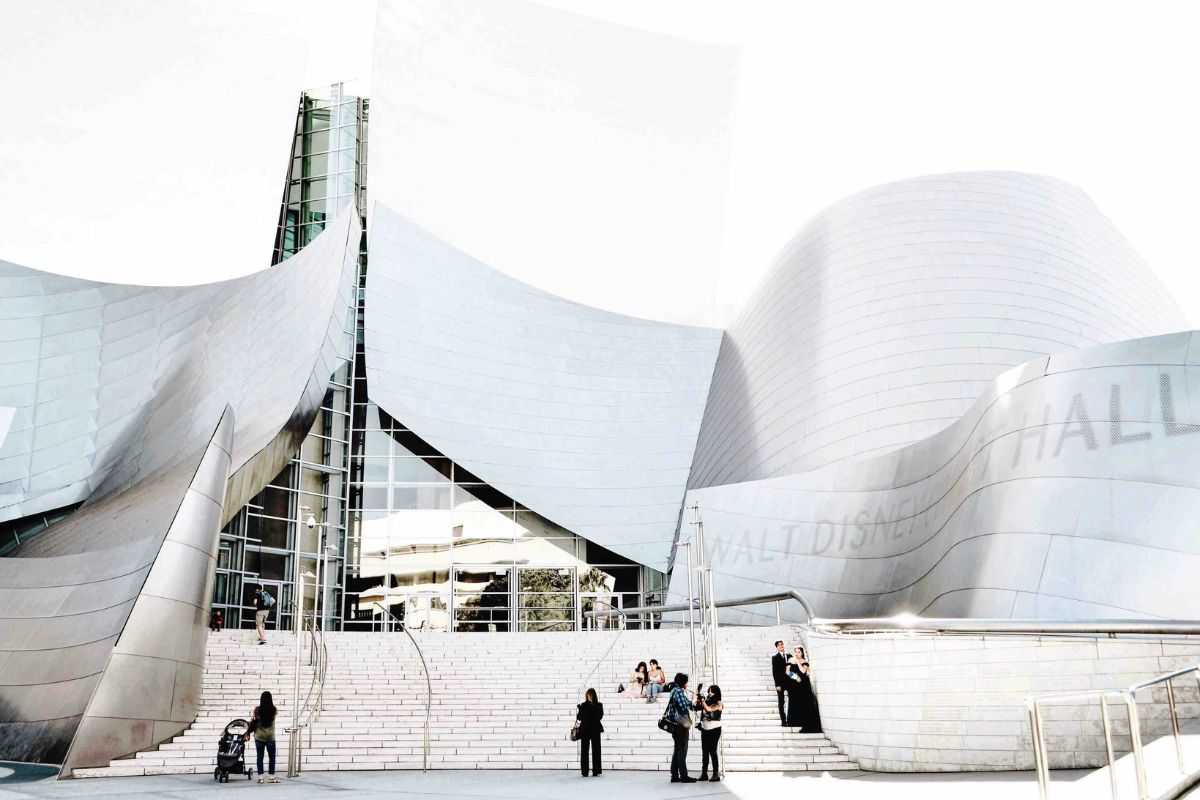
(374, 704)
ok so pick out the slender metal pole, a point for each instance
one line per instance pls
(691, 610)
(778, 615)
(1031, 705)
(1175, 725)
(698, 538)
(1135, 735)
(297, 596)
(1041, 759)
(318, 603)
(299, 648)
(1108, 746)
(712, 610)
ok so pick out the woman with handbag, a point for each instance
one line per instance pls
(679, 714)
(590, 712)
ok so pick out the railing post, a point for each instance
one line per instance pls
(1035, 728)
(1175, 724)
(1135, 736)
(691, 620)
(293, 741)
(1108, 746)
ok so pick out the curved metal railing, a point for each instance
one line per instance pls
(621, 626)
(1128, 696)
(760, 599)
(393, 623)
(308, 711)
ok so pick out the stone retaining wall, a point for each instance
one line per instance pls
(899, 702)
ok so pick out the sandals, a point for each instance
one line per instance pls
(272, 779)
(261, 779)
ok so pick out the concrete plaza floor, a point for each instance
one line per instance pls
(556, 785)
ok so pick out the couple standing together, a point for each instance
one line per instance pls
(792, 682)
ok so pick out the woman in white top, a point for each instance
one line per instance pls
(656, 680)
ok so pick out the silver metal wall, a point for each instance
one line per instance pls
(151, 405)
(1070, 488)
(887, 315)
(85, 365)
(585, 416)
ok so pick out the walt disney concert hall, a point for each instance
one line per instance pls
(958, 395)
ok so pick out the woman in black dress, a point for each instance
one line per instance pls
(590, 712)
(802, 701)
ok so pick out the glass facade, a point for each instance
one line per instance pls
(440, 549)
(327, 170)
(261, 543)
(408, 532)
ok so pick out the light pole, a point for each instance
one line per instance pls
(320, 602)
(691, 601)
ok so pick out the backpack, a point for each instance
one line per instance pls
(267, 600)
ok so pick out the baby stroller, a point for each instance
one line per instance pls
(231, 752)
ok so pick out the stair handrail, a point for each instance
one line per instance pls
(1041, 760)
(395, 621)
(308, 711)
(669, 608)
(912, 623)
(621, 626)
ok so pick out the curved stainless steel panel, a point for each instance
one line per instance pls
(110, 383)
(889, 313)
(1069, 489)
(585, 416)
(174, 402)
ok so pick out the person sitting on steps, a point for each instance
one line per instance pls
(636, 688)
(655, 681)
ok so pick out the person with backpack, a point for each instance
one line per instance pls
(263, 603)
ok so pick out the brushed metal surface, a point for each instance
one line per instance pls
(163, 409)
(585, 416)
(888, 314)
(1070, 489)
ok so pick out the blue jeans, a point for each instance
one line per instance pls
(270, 748)
(653, 690)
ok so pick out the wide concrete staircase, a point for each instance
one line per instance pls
(501, 701)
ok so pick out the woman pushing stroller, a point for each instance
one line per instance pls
(262, 727)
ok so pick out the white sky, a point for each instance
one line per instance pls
(135, 132)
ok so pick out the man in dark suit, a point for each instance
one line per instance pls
(779, 673)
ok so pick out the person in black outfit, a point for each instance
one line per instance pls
(590, 712)
(710, 732)
(802, 701)
(779, 673)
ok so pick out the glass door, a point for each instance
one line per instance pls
(599, 601)
(482, 599)
(546, 599)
